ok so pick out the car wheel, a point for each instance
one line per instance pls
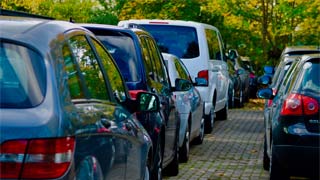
(147, 171)
(223, 113)
(275, 170)
(240, 100)
(209, 121)
(266, 159)
(184, 151)
(199, 138)
(231, 99)
(157, 167)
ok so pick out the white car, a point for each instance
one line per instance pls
(189, 105)
(201, 48)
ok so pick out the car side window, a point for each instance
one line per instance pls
(213, 45)
(75, 88)
(180, 70)
(147, 60)
(114, 75)
(159, 66)
(89, 67)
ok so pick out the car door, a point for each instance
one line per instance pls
(219, 66)
(161, 85)
(133, 138)
(101, 132)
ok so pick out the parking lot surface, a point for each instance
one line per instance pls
(233, 150)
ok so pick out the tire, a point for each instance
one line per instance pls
(266, 159)
(231, 100)
(275, 170)
(240, 102)
(157, 166)
(199, 139)
(209, 121)
(223, 113)
(184, 150)
(147, 171)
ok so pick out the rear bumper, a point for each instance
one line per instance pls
(299, 160)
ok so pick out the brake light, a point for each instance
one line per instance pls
(11, 158)
(204, 74)
(297, 104)
(158, 22)
(36, 159)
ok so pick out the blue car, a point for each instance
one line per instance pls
(292, 139)
(65, 111)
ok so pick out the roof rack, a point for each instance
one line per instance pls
(6, 12)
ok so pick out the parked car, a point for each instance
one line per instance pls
(253, 86)
(293, 128)
(65, 110)
(242, 93)
(202, 50)
(143, 68)
(189, 105)
(234, 97)
(290, 51)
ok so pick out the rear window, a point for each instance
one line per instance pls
(123, 52)
(178, 40)
(22, 76)
(311, 74)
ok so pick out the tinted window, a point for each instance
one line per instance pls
(75, 88)
(117, 85)
(311, 74)
(22, 76)
(180, 70)
(178, 40)
(157, 61)
(89, 67)
(123, 52)
(213, 45)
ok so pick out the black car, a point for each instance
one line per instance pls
(240, 76)
(293, 128)
(143, 68)
(65, 110)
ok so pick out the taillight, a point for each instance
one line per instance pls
(11, 158)
(204, 74)
(36, 159)
(297, 104)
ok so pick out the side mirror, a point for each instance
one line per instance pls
(182, 84)
(265, 93)
(201, 82)
(147, 102)
(264, 80)
(268, 69)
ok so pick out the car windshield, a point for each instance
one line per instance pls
(22, 76)
(123, 52)
(178, 40)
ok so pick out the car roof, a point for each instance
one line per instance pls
(36, 32)
(135, 30)
(300, 49)
(164, 22)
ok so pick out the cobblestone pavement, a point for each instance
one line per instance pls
(233, 150)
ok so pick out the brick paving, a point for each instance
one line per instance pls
(232, 151)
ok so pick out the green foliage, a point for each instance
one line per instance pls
(259, 29)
